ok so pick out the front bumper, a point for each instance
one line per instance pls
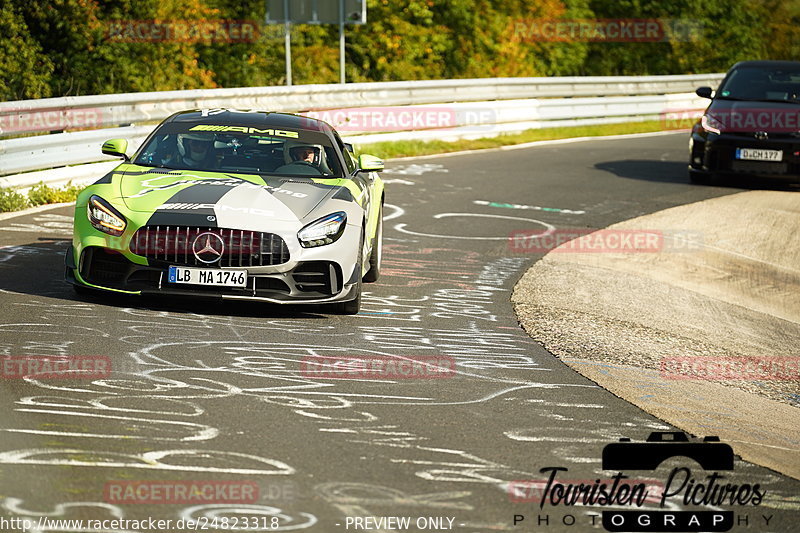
(325, 274)
(712, 153)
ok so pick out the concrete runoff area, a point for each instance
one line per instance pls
(621, 319)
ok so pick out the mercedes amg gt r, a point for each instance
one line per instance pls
(236, 205)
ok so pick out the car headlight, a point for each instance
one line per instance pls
(710, 124)
(323, 231)
(104, 217)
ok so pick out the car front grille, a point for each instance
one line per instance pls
(104, 267)
(318, 276)
(239, 248)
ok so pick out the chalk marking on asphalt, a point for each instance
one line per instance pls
(398, 212)
(584, 405)
(201, 431)
(548, 227)
(416, 170)
(146, 460)
(528, 207)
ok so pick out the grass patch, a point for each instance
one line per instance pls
(11, 200)
(388, 150)
(43, 194)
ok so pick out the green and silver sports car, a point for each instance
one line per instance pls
(236, 205)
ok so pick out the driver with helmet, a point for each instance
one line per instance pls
(303, 158)
(307, 154)
(195, 150)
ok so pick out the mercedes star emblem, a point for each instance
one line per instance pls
(208, 247)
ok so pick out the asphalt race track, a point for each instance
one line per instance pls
(218, 392)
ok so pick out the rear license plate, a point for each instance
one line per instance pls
(757, 154)
(208, 276)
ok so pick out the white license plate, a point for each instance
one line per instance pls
(208, 276)
(757, 154)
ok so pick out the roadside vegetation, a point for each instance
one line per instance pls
(54, 48)
(41, 194)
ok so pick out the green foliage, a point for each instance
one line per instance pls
(11, 200)
(24, 70)
(43, 194)
(76, 36)
(67, 47)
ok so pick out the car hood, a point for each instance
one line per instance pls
(229, 198)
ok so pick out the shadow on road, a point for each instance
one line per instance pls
(676, 172)
(37, 269)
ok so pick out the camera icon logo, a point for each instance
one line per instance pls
(710, 453)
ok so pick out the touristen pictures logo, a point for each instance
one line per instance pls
(686, 500)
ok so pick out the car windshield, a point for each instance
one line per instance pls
(766, 84)
(241, 149)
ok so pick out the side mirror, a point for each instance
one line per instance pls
(703, 92)
(370, 163)
(116, 147)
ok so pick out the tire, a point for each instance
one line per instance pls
(352, 307)
(375, 256)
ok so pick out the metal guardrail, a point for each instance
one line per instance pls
(51, 114)
(511, 104)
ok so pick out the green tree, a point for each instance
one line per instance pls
(246, 62)
(782, 29)
(67, 47)
(24, 69)
(727, 31)
(75, 36)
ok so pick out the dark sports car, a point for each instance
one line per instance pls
(752, 126)
(235, 205)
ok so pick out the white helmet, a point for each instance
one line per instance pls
(320, 158)
(299, 151)
(198, 140)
